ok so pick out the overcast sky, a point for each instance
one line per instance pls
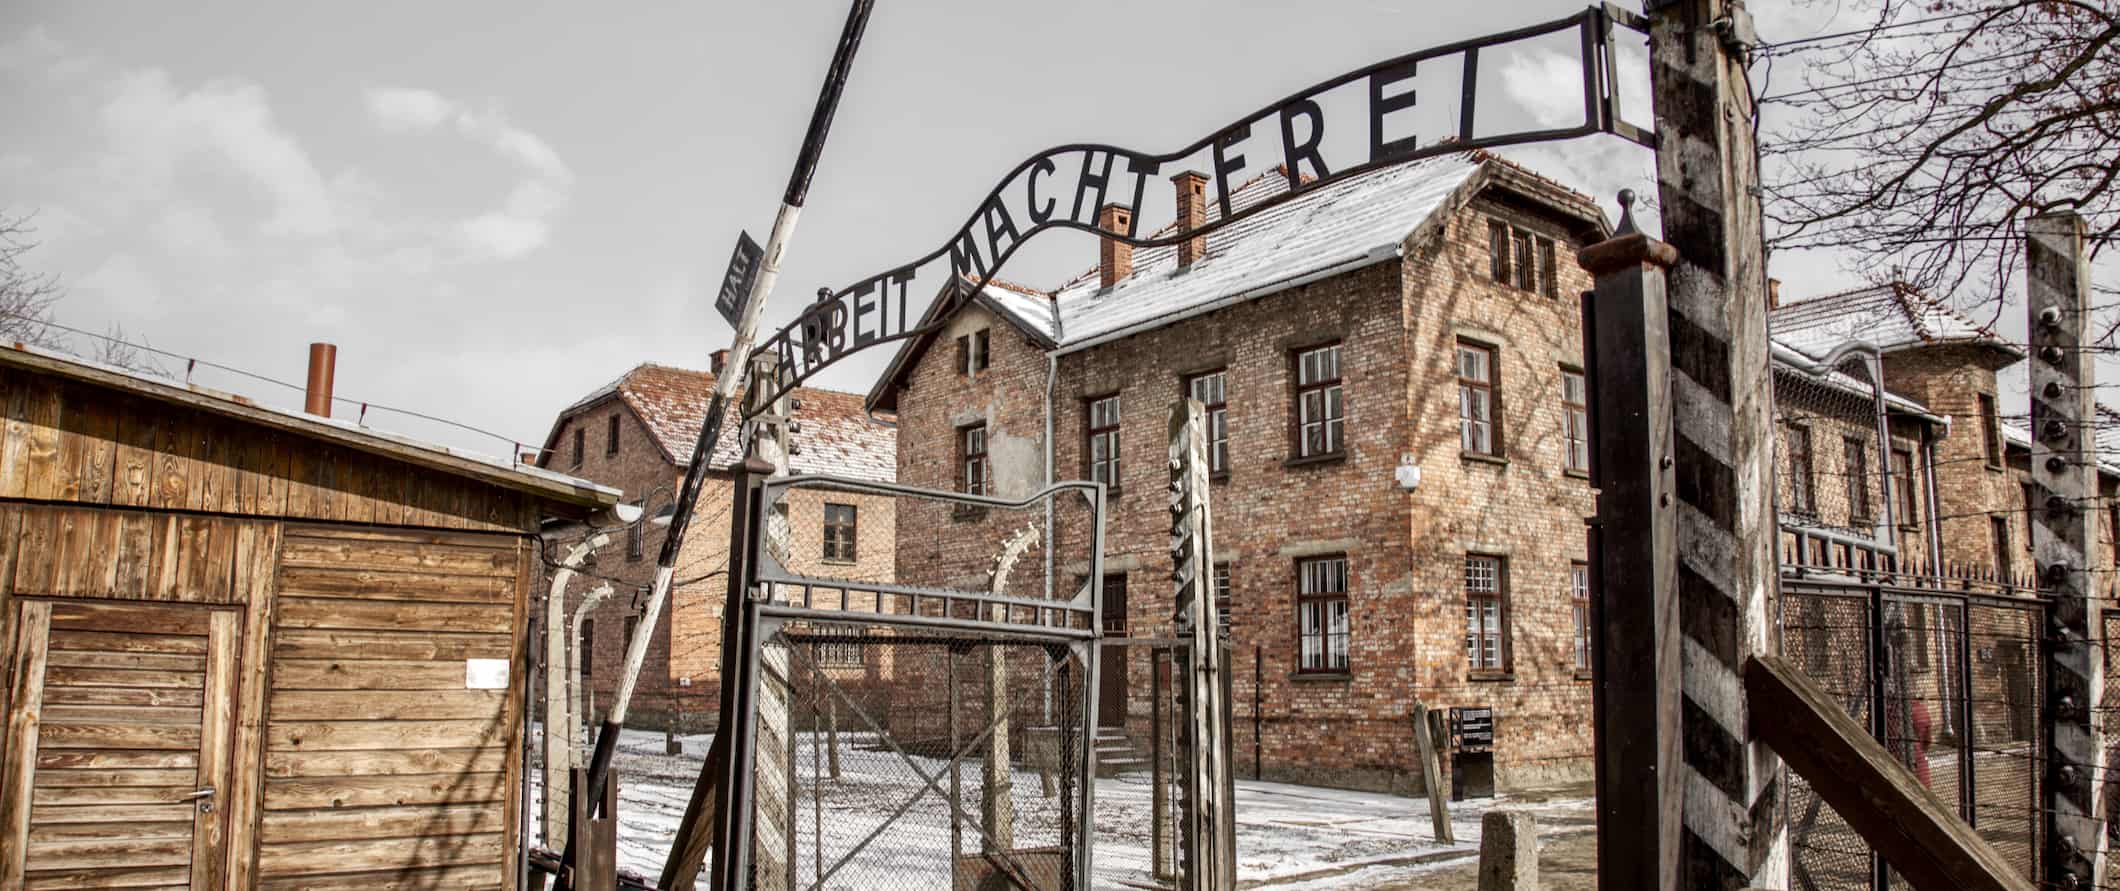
(493, 208)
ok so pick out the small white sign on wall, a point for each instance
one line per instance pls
(485, 674)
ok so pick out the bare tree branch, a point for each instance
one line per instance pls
(26, 298)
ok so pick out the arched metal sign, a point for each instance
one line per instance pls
(1066, 186)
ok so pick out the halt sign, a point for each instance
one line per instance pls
(736, 283)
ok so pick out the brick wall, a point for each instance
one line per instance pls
(1397, 325)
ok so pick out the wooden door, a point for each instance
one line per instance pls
(117, 746)
(1111, 684)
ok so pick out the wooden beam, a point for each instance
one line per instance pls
(1917, 833)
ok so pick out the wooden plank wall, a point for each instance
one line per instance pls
(381, 768)
(73, 442)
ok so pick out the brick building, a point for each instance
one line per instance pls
(1392, 362)
(637, 434)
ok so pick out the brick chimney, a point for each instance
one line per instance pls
(718, 361)
(1773, 293)
(1115, 258)
(1192, 214)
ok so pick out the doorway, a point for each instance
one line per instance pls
(1111, 686)
(118, 746)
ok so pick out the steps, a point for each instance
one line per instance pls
(1115, 753)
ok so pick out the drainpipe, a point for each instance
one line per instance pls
(559, 747)
(1052, 378)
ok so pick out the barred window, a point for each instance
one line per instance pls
(839, 524)
(839, 646)
(1103, 448)
(1575, 422)
(611, 435)
(1222, 599)
(1212, 389)
(1475, 368)
(1526, 265)
(1321, 614)
(1579, 596)
(1990, 430)
(972, 353)
(579, 435)
(1319, 409)
(1549, 281)
(1486, 635)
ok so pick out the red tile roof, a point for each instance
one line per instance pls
(833, 434)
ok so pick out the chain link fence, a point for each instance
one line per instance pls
(1949, 682)
(962, 770)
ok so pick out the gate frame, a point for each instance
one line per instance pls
(753, 570)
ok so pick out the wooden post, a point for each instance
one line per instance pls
(2064, 452)
(1722, 409)
(1210, 787)
(1432, 774)
(1635, 649)
(1927, 844)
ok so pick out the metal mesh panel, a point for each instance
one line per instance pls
(1825, 635)
(2006, 742)
(918, 760)
(1949, 683)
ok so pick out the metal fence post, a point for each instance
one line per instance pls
(1880, 674)
(1969, 762)
(2057, 285)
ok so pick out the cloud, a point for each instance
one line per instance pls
(155, 128)
(185, 230)
(408, 109)
(523, 223)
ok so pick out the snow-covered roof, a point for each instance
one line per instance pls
(507, 471)
(1353, 222)
(1790, 361)
(1334, 228)
(834, 434)
(1890, 317)
(2017, 434)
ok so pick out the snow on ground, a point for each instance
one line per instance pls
(1288, 837)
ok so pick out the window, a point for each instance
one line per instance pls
(1212, 389)
(1549, 280)
(1575, 422)
(1486, 641)
(1579, 595)
(1498, 250)
(1903, 485)
(1800, 479)
(1321, 614)
(839, 646)
(1990, 430)
(972, 353)
(1319, 410)
(611, 435)
(2112, 530)
(578, 437)
(839, 533)
(1855, 461)
(1999, 529)
(1103, 448)
(2031, 497)
(1475, 369)
(633, 539)
(585, 651)
(1222, 597)
(971, 459)
(1526, 265)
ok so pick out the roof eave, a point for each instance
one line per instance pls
(542, 483)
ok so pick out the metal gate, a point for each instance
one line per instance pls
(921, 718)
(1948, 678)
